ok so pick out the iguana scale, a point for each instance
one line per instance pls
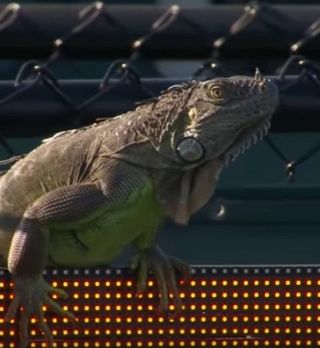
(82, 196)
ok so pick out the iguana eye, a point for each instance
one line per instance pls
(215, 92)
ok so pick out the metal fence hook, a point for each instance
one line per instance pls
(9, 14)
(26, 70)
(290, 170)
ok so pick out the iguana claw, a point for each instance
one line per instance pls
(163, 268)
(31, 295)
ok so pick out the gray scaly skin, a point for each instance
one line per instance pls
(84, 195)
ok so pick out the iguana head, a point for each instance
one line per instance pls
(216, 119)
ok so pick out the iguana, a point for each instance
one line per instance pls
(82, 196)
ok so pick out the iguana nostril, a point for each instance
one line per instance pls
(190, 149)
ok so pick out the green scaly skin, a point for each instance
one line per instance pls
(81, 197)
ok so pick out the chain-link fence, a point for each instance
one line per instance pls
(54, 37)
(239, 39)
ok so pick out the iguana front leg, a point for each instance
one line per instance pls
(29, 250)
(150, 258)
(31, 294)
(164, 269)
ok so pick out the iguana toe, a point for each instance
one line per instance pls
(164, 270)
(30, 296)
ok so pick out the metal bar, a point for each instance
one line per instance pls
(39, 110)
(109, 31)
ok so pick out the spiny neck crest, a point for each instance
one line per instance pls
(157, 116)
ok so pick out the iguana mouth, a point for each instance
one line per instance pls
(246, 138)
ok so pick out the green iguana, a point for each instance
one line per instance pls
(85, 194)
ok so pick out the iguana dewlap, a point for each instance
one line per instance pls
(84, 195)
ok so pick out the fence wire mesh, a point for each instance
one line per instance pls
(126, 71)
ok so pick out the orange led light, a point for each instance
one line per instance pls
(281, 309)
